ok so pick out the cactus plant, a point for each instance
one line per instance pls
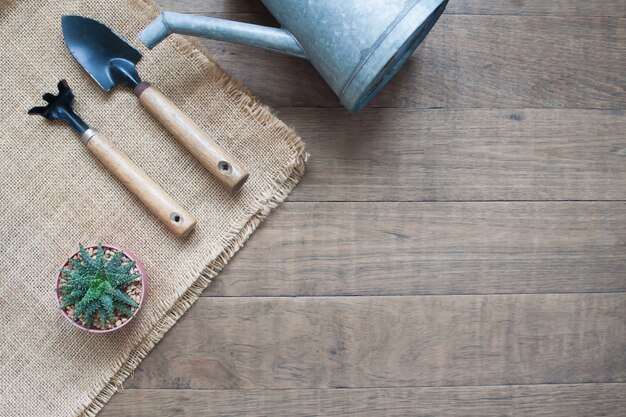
(95, 286)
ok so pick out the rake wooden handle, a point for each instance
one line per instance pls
(211, 155)
(158, 201)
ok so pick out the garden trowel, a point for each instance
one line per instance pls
(110, 61)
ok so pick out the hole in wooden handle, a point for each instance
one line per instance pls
(225, 168)
(176, 218)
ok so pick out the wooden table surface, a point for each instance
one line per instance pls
(457, 248)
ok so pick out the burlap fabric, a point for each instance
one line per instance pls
(54, 194)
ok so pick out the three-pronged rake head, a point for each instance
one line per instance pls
(61, 101)
(60, 108)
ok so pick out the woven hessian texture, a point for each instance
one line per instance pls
(55, 194)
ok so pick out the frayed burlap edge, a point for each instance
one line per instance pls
(287, 180)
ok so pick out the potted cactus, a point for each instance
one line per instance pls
(100, 288)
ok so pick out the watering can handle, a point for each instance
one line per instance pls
(273, 39)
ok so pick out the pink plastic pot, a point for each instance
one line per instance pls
(144, 283)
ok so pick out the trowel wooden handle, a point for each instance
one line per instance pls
(159, 202)
(211, 155)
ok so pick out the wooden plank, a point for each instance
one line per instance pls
(489, 7)
(308, 249)
(584, 400)
(213, 6)
(468, 61)
(461, 154)
(570, 400)
(616, 8)
(385, 342)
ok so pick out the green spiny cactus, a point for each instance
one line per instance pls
(96, 285)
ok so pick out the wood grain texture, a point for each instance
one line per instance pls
(615, 8)
(212, 156)
(385, 342)
(494, 164)
(461, 154)
(431, 248)
(468, 61)
(174, 216)
(213, 6)
(582, 400)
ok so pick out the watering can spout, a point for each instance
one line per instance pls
(273, 39)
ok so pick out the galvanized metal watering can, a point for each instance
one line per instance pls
(356, 45)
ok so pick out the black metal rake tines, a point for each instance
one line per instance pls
(62, 100)
(59, 107)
